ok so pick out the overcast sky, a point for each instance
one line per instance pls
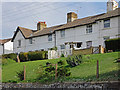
(27, 14)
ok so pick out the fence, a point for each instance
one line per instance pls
(92, 50)
(56, 54)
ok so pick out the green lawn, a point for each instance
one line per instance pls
(84, 72)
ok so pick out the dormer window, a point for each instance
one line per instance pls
(107, 23)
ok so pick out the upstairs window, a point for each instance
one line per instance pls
(30, 41)
(107, 23)
(50, 37)
(62, 33)
(89, 29)
(62, 46)
(19, 43)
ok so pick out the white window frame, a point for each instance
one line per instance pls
(107, 23)
(89, 28)
(62, 33)
(50, 37)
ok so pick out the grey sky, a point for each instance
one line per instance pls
(27, 14)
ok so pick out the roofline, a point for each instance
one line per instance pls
(18, 29)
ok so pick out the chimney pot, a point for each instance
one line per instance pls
(41, 25)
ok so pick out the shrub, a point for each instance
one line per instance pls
(20, 75)
(23, 57)
(63, 71)
(7, 61)
(48, 73)
(61, 62)
(27, 56)
(62, 55)
(74, 60)
(48, 63)
(11, 56)
(113, 44)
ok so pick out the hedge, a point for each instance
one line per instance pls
(12, 56)
(113, 44)
(28, 56)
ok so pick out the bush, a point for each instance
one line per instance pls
(63, 71)
(20, 75)
(11, 56)
(62, 55)
(48, 73)
(27, 56)
(74, 60)
(48, 64)
(61, 62)
(113, 44)
(7, 61)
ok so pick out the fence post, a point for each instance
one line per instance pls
(24, 72)
(18, 58)
(97, 72)
(56, 72)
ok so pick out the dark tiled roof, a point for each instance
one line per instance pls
(2, 41)
(28, 33)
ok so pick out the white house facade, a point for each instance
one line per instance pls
(6, 46)
(76, 33)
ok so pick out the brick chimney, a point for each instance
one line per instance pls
(41, 25)
(111, 5)
(71, 17)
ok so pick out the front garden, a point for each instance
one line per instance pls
(75, 71)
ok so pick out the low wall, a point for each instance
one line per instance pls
(111, 85)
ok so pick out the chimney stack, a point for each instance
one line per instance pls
(71, 17)
(41, 25)
(111, 5)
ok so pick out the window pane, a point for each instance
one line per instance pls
(50, 37)
(106, 23)
(89, 29)
(62, 33)
(62, 46)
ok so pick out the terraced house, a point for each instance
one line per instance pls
(76, 33)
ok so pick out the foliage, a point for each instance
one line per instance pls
(20, 75)
(27, 56)
(54, 48)
(62, 55)
(63, 71)
(113, 44)
(7, 61)
(48, 63)
(11, 56)
(74, 60)
(61, 62)
(48, 73)
(83, 72)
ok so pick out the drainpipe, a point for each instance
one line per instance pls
(55, 39)
(3, 48)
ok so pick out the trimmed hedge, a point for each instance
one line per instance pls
(113, 44)
(28, 56)
(12, 56)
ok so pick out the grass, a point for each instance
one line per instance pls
(84, 72)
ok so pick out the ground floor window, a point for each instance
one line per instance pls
(62, 46)
(89, 44)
